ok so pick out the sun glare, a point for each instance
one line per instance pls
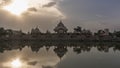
(16, 63)
(17, 7)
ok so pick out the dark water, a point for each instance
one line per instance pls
(16, 54)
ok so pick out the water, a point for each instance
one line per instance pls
(16, 54)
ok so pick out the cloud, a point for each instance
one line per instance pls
(33, 63)
(50, 10)
(35, 15)
(48, 67)
(50, 4)
(32, 9)
(28, 21)
(5, 2)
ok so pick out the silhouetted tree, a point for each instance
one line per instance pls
(117, 33)
(2, 32)
(78, 29)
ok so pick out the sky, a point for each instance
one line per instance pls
(46, 14)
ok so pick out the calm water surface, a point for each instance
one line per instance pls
(59, 55)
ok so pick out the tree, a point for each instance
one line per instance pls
(2, 32)
(117, 33)
(78, 29)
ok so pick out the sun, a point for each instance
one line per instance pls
(16, 63)
(17, 7)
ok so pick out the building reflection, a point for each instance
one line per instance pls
(60, 51)
(60, 48)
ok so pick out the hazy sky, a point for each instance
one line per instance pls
(89, 14)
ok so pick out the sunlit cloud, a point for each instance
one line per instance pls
(50, 4)
(41, 7)
(17, 7)
(16, 63)
(34, 14)
(5, 2)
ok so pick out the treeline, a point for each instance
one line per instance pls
(77, 31)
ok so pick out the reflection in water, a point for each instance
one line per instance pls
(60, 51)
(49, 54)
(16, 63)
